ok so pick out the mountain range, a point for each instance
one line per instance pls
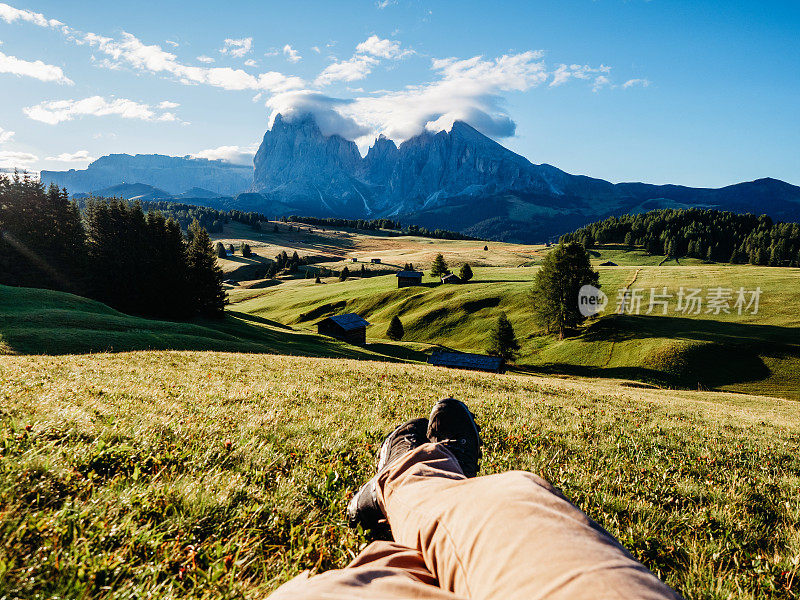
(458, 179)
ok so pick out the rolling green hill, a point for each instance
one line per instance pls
(34, 321)
(757, 353)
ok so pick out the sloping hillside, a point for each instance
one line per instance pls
(212, 475)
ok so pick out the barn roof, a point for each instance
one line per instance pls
(465, 360)
(348, 321)
(409, 274)
(450, 277)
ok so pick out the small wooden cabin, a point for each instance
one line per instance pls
(377, 261)
(464, 360)
(608, 263)
(353, 260)
(450, 278)
(348, 327)
(408, 278)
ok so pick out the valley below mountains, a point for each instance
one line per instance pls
(459, 180)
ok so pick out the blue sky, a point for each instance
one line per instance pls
(702, 93)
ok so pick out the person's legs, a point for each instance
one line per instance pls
(382, 570)
(505, 536)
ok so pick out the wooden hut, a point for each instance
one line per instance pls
(608, 263)
(464, 360)
(377, 261)
(408, 278)
(450, 278)
(348, 327)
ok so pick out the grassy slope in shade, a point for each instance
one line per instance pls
(35, 321)
(213, 475)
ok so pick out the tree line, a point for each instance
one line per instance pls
(378, 224)
(113, 251)
(711, 235)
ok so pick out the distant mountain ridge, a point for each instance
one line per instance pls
(459, 180)
(172, 174)
(462, 180)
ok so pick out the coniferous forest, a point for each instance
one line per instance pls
(112, 251)
(698, 233)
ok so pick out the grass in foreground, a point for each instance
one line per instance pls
(207, 475)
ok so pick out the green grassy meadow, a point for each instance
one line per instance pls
(214, 459)
(219, 475)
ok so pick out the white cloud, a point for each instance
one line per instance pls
(10, 159)
(365, 59)
(131, 51)
(469, 90)
(36, 69)
(316, 49)
(173, 44)
(634, 82)
(236, 155)
(237, 48)
(166, 104)
(5, 135)
(205, 59)
(357, 67)
(9, 14)
(291, 54)
(79, 156)
(564, 73)
(251, 63)
(376, 46)
(384, 3)
(58, 111)
(600, 82)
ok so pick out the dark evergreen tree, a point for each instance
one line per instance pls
(231, 249)
(246, 251)
(317, 280)
(41, 236)
(439, 267)
(502, 339)
(564, 270)
(465, 273)
(344, 274)
(219, 249)
(204, 276)
(363, 271)
(395, 331)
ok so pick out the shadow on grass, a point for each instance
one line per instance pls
(706, 353)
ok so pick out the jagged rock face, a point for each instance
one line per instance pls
(302, 167)
(170, 173)
(465, 181)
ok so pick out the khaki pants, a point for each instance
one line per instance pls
(500, 537)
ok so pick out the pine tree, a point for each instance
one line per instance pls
(220, 250)
(486, 248)
(246, 251)
(231, 249)
(204, 276)
(465, 274)
(503, 340)
(395, 331)
(439, 267)
(363, 271)
(564, 271)
(317, 280)
(344, 274)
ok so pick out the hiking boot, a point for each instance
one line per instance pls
(363, 508)
(453, 425)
